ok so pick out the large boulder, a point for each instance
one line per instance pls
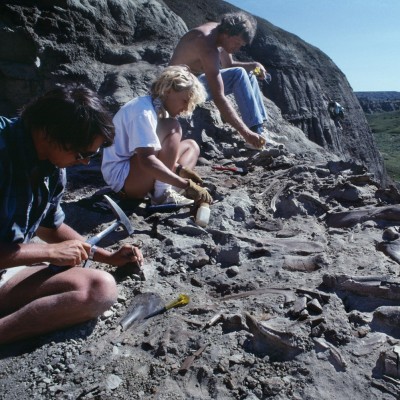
(111, 46)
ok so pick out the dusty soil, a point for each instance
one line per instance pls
(285, 303)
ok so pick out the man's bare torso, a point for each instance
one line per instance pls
(196, 44)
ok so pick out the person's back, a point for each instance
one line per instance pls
(194, 46)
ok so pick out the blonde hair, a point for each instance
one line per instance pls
(178, 78)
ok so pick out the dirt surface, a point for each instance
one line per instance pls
(289, 297)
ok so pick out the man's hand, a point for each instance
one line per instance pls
(69, 253)
(198, 193)
(259, 71)
(254, 139)
(126, 254)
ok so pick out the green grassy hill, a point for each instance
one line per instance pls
(386, 129)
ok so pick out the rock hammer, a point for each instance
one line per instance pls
(122, 220)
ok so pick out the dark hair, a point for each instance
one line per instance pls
(71, 116)
(239, 23)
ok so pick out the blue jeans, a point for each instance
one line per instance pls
(246, 91)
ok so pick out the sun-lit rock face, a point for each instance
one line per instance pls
(117, 47)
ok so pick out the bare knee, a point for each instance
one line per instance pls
(194, 147)
(98, 294)
(168, 128)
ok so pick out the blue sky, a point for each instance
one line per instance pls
(362, 37)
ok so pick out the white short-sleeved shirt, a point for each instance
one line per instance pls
(135, 126)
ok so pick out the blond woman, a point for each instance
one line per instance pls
(148, 154)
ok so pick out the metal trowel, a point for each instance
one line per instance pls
(147, 305)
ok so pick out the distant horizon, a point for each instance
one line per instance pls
(359, 36)
(377, 91)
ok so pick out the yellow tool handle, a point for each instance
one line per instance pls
(182, 300)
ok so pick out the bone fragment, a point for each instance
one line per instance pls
(347, 219)
(187, 363)
(289, 294)
(391, 249)
(373, 286)
(275, 337)
(217, 317)
(322, 297)
(286, 245)
(387, 319)
(334, 352)
(303, 264)
(390, 234)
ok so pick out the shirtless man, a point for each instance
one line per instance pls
(209, 47)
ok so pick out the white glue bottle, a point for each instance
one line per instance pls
(203, 215)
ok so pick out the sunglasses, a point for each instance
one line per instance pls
(87, 155)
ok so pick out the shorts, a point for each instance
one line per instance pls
(115, 173)
(7, 274)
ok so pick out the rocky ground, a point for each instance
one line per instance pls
(293, 286)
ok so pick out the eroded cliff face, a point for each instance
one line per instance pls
(116, 47)
(377, 102)
(304, 79)
(113, 47)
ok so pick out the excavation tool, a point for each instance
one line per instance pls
(238, 170)
(122, 220)
(147, 305)
(165, 207)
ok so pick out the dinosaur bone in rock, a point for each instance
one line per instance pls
(372, 286)
(346, 219)
(391, 249)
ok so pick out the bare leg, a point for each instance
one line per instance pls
(170, 134)
(189, 152)
(140, 180)
(37, 301)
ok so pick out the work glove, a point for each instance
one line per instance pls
(187, 173)
(198, 193)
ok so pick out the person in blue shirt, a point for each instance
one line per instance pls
(64, 127)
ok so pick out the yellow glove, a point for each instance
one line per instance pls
(187, 173)
(198, 193)
(257, 71)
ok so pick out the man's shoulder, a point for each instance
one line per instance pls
(202, 33)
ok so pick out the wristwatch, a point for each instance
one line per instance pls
(92, 252)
